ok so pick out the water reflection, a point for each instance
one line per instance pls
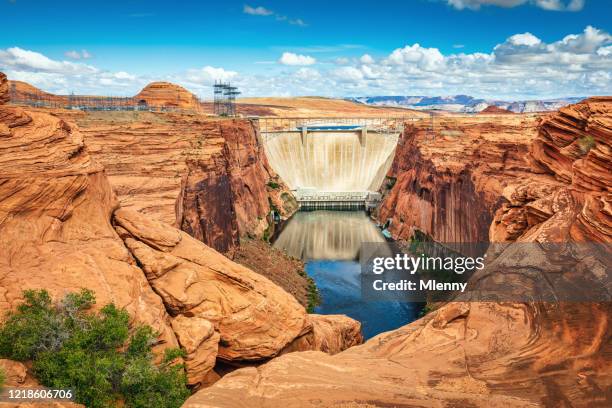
(329, 242)
(327, 234)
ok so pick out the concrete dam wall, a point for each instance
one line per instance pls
(348, 160)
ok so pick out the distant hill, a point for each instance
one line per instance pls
(464, 103)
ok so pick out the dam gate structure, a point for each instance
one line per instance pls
(332, 163)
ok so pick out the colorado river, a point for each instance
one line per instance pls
(329, 243)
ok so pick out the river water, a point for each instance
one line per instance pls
(329, 243)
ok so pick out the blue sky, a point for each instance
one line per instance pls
(509, 49)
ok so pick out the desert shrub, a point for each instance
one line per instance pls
(92, 353)
(586, 143)
(314, 298)
(273, 184)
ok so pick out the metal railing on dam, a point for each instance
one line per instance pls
(311, 199)
(379, 124)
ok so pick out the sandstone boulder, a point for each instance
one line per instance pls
(255, 318)
(201, 342)
(330, 334)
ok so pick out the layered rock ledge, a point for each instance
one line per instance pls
(64, 229)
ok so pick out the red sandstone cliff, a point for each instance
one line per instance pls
(478, 354)
(572, 151)
(4, 91)
(449, 182)
(208, 177)
(63, 229)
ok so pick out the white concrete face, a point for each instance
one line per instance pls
(331, 161)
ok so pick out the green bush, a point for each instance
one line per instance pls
(273, 184)
(92, 353)
(586, 143)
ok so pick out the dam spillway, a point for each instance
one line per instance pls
(331, 159)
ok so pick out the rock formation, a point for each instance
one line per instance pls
(449, 182)
(255, 319)
(55, 211)
(168, 95)
(4, 90)
(572, 150)
(63, 229)
(17, 376)
(479, 354)
(495, 110)
(208, 177)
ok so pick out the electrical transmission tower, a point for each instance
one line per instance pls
(225, 99)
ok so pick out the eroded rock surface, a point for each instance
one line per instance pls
(55, 210)
(4, 91)
(208, 177)
(573, 149)
(222, 310)
(448, 182)
(63, 229)
(479, 354)
(255, 318)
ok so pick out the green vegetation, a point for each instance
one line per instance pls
(586, 143)
(92, 353)
(314, 298)
(426, 309)
(266, 234)
(273, 184)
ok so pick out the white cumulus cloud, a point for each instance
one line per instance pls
(289, 58)
(207, 75)
(20, 59)
(366, 59)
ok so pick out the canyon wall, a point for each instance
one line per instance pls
(64, 229)
(208, 177)
(328, 161)
(572, 152)
(480, 354)
(448, 182)
(4, 89)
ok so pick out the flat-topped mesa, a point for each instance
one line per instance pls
(168, 95)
